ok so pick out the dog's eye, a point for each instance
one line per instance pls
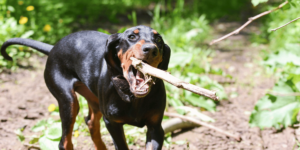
(131, 37)
(158, 39)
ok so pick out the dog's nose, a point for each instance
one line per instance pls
(150, 49)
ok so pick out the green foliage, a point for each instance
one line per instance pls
(279, 108)
(51, 138)
(10, 28)
(288, 34)
(20, 135)
(48, 144)
(222, 9)
(49, 21)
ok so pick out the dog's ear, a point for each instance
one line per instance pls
(166, 58)
(111, 50)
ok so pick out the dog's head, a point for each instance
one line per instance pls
(143, 43)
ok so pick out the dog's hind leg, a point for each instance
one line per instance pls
(61, 88)
(94, 116)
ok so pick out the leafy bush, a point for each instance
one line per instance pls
(226, 10)
(279, 108)
(10, 28)
(288, 34)
(49, 21)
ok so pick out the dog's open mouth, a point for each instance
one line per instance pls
(140, 84)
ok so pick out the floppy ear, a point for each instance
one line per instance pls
(166, 58)
(111, 50)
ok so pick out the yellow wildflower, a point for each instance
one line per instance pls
(30, 8)
(47, 28)
(20, 2)
(23, 20)
(209, 59)
(51, 107)
(76, 133)
(21, 48)
(227, 66)
(60, 20)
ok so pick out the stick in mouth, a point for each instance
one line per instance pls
(140, 85)
(148, 70)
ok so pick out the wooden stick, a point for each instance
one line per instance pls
(285, 24)
(237, 137)
(247, 23)
(177, 123)
(149, 70)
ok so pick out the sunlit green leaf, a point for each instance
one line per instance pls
(276, 110)
(54, 131)
(39, 126)
(48, 144)
(34, 140)
(200, 102)
(20, 135)
(180, 59)
(176, 103)
(27, 34)
(283, 57)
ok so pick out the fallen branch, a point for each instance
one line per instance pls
(247, 23)
(237, 137)
(177, 123)
(148, 70)
(285, 24)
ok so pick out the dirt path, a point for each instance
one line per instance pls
(24, 99)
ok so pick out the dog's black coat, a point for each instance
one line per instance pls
(87, 62)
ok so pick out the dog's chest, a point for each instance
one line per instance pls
(129, 113)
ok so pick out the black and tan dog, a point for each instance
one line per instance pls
(98, 67)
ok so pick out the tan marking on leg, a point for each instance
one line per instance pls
(155, 118)
(94, 127)
(94, 122)
(74, 111)
(154, 31)
(136, 31)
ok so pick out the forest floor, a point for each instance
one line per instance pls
(24, 99)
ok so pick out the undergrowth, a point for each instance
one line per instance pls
(279, 108)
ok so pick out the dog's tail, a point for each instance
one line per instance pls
(40, 46)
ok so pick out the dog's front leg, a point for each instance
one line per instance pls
(117, 133)
(155, 137)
